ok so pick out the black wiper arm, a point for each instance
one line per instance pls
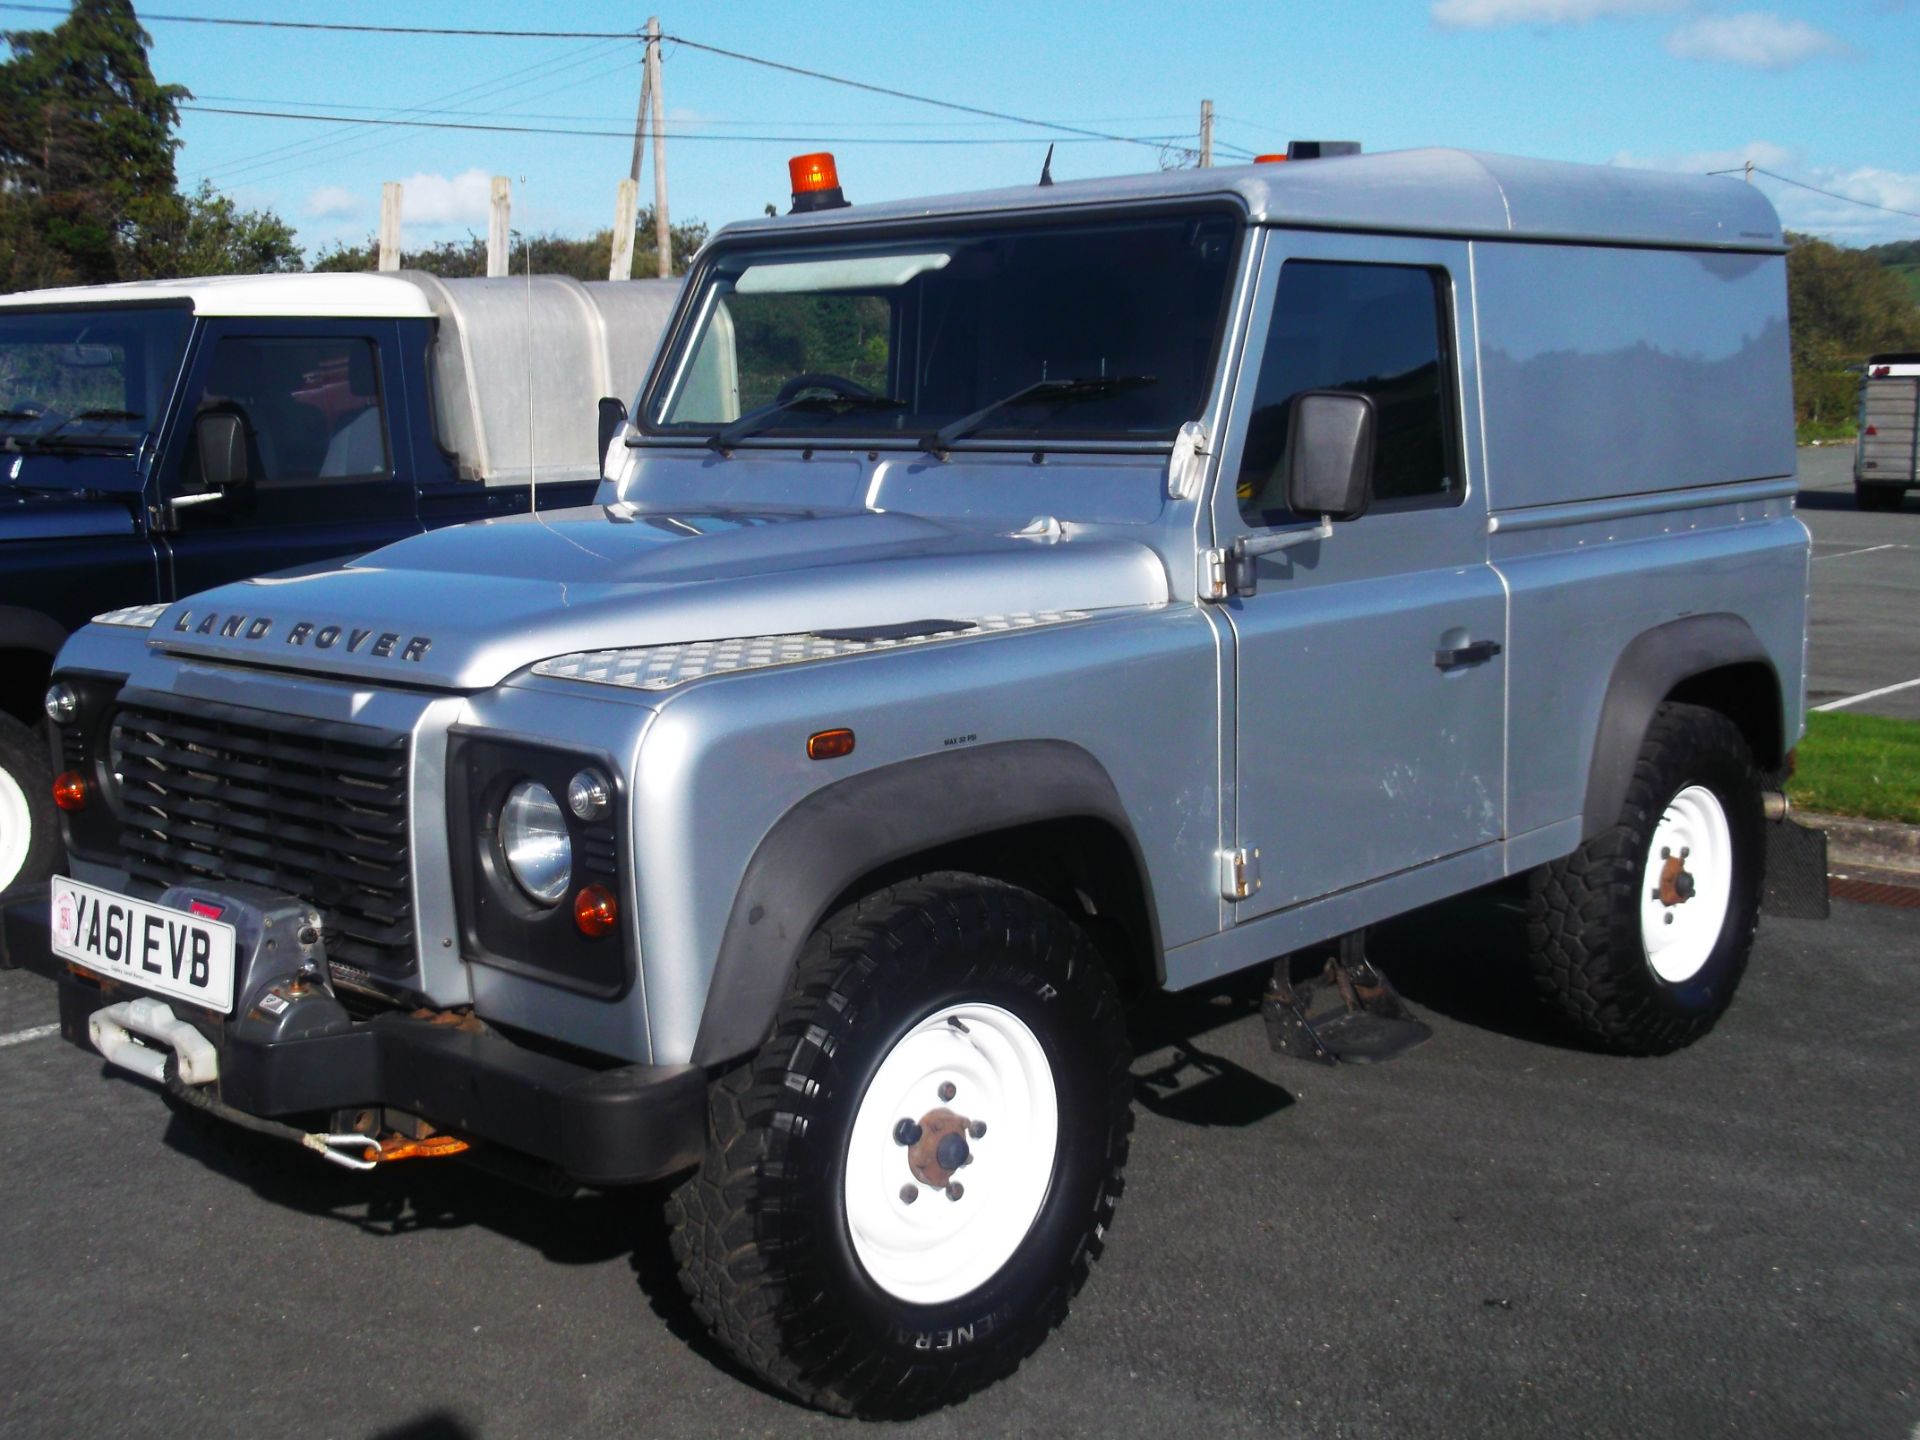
(1059, 392)
(41, 437)
(754, 421)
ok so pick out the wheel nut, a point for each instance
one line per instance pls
(947, 1090)
(977, 1129)
(906, 1132)
(955, 1190)
(909, 1194)
(1668, 917)
(1665, 853)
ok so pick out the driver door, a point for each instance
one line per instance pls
(328, 474)
(1364, 745)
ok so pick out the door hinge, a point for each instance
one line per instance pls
(1239, 873)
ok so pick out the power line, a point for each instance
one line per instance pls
(63, 11)
(373, 120)
(333, 25)
(1830, 194)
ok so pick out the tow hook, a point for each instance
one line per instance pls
(374, 1152)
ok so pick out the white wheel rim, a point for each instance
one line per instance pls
(16, 828)
(1680, 930)
(934, 1248)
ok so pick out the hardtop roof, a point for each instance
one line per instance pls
(1428, 192)
(325, 296)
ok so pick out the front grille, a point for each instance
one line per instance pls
(310, 808)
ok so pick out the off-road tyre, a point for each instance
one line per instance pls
(1878, 497)
(760, 1231)
(26, 799)
(1584, 925)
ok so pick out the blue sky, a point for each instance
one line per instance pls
(1824, 93)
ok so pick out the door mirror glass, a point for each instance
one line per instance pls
(1329, 456)
(613, 416)
(221, 439)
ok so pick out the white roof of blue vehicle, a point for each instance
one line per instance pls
(326, 296)
(1425, 192)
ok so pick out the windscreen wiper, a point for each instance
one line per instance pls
(41, 437)
(1057, 392)
(755, 421)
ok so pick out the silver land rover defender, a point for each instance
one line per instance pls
(998, 609)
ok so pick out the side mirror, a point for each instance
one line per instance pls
(1329, 459)
(613, 415)
(222, 441)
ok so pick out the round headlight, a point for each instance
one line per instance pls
(63, 703)
(533, 836)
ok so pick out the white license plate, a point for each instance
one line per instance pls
(171, 952)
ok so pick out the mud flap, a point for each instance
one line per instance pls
(1348, 1013)
(1796, 883)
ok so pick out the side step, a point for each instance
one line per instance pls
(1348, 1013)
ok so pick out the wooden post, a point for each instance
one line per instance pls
(390, 225)
(662, 232)
(499, 232)
(640, 119)
(624, 206)
(1206, 134)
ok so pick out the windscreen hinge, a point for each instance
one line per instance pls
(1215, 575)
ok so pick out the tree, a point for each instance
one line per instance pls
(206, 233)
(86, 146)
(584, 259)
(1842, 306)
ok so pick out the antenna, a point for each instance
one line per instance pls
(1046, 168)
(526, 270)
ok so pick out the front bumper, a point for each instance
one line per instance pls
(612, 1126)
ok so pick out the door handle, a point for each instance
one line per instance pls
(1471, 654)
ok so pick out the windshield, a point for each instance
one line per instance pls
(1046, 329)
(87, 378)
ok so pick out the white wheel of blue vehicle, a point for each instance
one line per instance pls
(29, 832)
(1685, 885)
(950, 1154)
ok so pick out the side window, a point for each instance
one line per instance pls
(1378, 329)
(311, 407)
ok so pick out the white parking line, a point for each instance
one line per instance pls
(21, 1037)
(1864, 550)
(1868, 695)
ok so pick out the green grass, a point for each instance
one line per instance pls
(1808, 431)
(1862, 765)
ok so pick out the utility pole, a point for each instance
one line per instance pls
(626, 202)
(662, 233)
(1206, 134)
(640, 118)
(499, 233)
(1749, 172)
(390, 225)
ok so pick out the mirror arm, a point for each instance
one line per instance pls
(1242, 575)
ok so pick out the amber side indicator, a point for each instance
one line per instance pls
(70, 790)
(595, 911)
(1269, 159)
(829, 744)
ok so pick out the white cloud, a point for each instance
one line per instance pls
(431, 200)
(1763, 153)
(1489, 14)
(333, 202)
(1755, 38)
(1804, 210)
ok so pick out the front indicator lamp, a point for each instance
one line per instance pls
(70, 791)
(595, 911)
(535, 842)
(589, 795)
